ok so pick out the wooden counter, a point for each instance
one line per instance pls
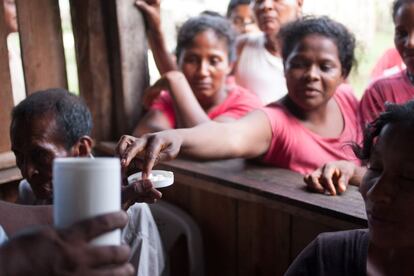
(255, 220)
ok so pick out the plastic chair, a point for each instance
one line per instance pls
(173, 222)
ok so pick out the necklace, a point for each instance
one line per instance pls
(410, 77)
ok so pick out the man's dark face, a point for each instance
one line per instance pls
(36, 143)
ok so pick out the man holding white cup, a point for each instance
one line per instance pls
(29, 251)
(55, 123)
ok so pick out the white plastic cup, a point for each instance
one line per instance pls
(84, 188)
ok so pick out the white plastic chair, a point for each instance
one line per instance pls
(173, 222)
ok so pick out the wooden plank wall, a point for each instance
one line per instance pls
(93, 64)
(129, 68)
(6, 98)
(42, 45)
(111, 54)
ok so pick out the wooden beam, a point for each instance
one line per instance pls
(42, 44)
(93, 64)
(6, 95)
(129, 62)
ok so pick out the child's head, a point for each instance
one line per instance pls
(205, 51)
(240, 13)
(388, 185)
(293, 33)
(403, 16)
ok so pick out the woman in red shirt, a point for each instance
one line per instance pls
(198, 91)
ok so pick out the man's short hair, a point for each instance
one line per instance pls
(72, 116)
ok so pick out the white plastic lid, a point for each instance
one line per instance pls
(159, 178)
(86, 163)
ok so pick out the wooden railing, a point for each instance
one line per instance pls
(111, 57)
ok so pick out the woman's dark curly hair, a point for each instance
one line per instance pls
(293, 32)
(393, 113)
(396, 5)
(195, 25)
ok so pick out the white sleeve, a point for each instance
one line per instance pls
(3, 236)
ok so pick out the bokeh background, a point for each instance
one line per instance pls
(370, 20)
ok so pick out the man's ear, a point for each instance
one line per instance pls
(83, 147)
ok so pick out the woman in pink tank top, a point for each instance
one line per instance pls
(397, 88)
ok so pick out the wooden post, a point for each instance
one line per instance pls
(128, 61)
(42, 45)
(93, 64)
(6, 95)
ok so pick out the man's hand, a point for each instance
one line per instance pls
(140, 191)
(48, 251)
(334, 177)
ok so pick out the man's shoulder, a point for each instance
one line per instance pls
(341, 238)
(336, 253)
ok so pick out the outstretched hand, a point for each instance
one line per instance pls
(151, 11)
(47, 251)
(332, 177)
(148, 150)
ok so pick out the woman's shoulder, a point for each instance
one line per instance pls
(280, 118)
(347, 100)
(277, 109)
(239, 102)
(236, 91)
(345, 91)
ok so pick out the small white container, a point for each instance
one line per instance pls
(84, 188)
(159, 178)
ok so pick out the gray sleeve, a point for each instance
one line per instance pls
(306, 263)
(336, 253)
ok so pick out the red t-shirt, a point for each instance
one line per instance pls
(238, 103)
(297, 148)
(389, 64)
(395, 89)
